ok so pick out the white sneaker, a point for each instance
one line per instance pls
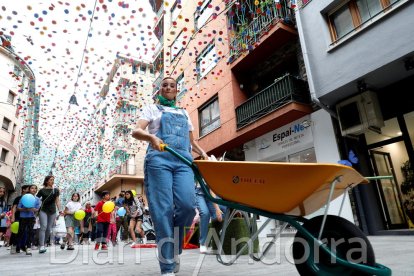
(133, 244)
(207, 250)
(177, 263)
(168, 274)
(144, 240)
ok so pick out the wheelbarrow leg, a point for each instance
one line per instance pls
(333, 183)
(272, 242)
(253, 236)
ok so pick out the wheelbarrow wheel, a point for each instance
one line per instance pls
(342, 237)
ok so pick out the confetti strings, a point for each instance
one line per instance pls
(84, 48)
(76, 85)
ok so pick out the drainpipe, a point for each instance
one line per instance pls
(308, 68)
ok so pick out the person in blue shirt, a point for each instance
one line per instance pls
(28, 219)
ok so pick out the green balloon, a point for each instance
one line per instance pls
(14, 227)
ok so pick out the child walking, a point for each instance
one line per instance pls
(71, 223)
(102, 222)
(112, 232)
(27, 220)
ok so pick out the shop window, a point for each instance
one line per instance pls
(209, 117)
(305, 156)
(349, 17)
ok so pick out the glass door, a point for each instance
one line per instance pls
(389, 194)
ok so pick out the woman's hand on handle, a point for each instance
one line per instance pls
(156, 142)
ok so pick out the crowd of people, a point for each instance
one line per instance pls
(36, 224)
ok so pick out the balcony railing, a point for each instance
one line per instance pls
(247, 35)
(126, 169)
(283, 91)
(159, 47)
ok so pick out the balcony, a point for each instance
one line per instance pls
(126, 172)
(125, 169)
(253, 40)
(283, 91)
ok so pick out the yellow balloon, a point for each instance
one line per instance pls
(108, 207)
(79, 214)
(14, 227)
(134, 193)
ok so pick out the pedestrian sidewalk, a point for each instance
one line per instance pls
(395, 252)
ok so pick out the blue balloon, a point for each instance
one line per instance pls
(121, 212)
(28, 201)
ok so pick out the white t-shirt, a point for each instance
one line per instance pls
(73, 206)
(152, 114)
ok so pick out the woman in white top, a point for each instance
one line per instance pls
(71, 207)
(169, 182)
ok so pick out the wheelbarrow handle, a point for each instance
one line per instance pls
(165, 147)
(197, 174)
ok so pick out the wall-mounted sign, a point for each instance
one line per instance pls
(290, 137)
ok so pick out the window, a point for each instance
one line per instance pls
(10, 98)
(143, 68)
(3, 156)
(210, 117)
(6, 124)
(203, 13)
(134, 68)
(347, 18)
(305, 156)
(181, 86)
(16, 70)
(175, 10)
(207, 60)
(177, 46)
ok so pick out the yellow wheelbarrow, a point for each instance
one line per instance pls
(287, 192)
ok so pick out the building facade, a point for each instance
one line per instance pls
(19, 117)
(360, 69)
(119, 161)
(242, 78)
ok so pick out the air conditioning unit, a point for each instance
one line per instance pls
(360, 113)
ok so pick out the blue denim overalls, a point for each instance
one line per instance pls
(169, 184)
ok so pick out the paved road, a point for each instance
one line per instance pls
(396, 252)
